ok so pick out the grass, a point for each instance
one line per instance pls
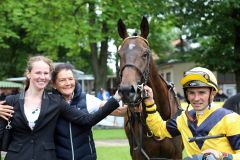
(114, 153)
(101, 134)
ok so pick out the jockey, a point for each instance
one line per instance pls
(205, 130)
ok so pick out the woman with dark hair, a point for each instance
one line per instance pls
(74, 142)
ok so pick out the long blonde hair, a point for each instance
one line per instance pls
(29, 67)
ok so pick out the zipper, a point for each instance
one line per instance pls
(89, 143)
(71, 140)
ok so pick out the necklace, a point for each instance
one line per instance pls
(36, 110)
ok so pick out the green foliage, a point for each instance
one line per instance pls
(214, 24)
(79, 31)
(75, 31)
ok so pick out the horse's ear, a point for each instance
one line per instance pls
(144, 28)
(122, 31)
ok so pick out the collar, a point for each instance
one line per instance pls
(205, 111)
(202, 115)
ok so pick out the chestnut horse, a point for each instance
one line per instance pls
(137, 68)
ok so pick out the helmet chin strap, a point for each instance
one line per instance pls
(210, 98)
(189, 117)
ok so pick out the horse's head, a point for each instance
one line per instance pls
(134, 62)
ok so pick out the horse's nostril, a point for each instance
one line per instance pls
(120, 93)
(126, 90)
(132, 90)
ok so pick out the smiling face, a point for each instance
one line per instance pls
(199, 97)
(39, 75)
(65, 83)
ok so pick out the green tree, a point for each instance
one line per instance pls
(216, 26)
(75, 31)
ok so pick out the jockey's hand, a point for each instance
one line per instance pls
(216, 153)
(149, 93)
(6, 111)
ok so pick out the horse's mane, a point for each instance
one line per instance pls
(157, 83)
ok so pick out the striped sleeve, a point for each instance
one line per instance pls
(233, 130)
(161, 128)
(171, 124)
(233, 133)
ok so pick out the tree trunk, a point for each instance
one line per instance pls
(99, 56)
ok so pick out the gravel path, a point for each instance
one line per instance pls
(112, 142)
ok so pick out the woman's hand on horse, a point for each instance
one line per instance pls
(117, 96)
(6, 111)
(149, 94)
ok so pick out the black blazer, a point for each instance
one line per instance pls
(38, 144)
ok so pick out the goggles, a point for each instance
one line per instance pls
(198, 76)
(203, 74)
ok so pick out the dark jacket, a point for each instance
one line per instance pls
(233, 103)
(38, 144)
(74, 142)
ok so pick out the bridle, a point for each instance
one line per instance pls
(144, 74)
(137, 144)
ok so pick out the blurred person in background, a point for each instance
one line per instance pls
(220, 96)
(233, 103)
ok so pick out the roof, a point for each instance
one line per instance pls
(17, 79)
(6, 84)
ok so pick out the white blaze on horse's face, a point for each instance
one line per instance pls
(131, 46)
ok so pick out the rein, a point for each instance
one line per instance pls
(136, 117)
(137, 144)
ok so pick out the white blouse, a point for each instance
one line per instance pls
(32, 116)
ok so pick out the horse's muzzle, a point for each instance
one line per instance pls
(129, 94)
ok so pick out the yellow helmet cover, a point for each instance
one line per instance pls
(199, 74)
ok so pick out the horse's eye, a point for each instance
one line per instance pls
(145, 55)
